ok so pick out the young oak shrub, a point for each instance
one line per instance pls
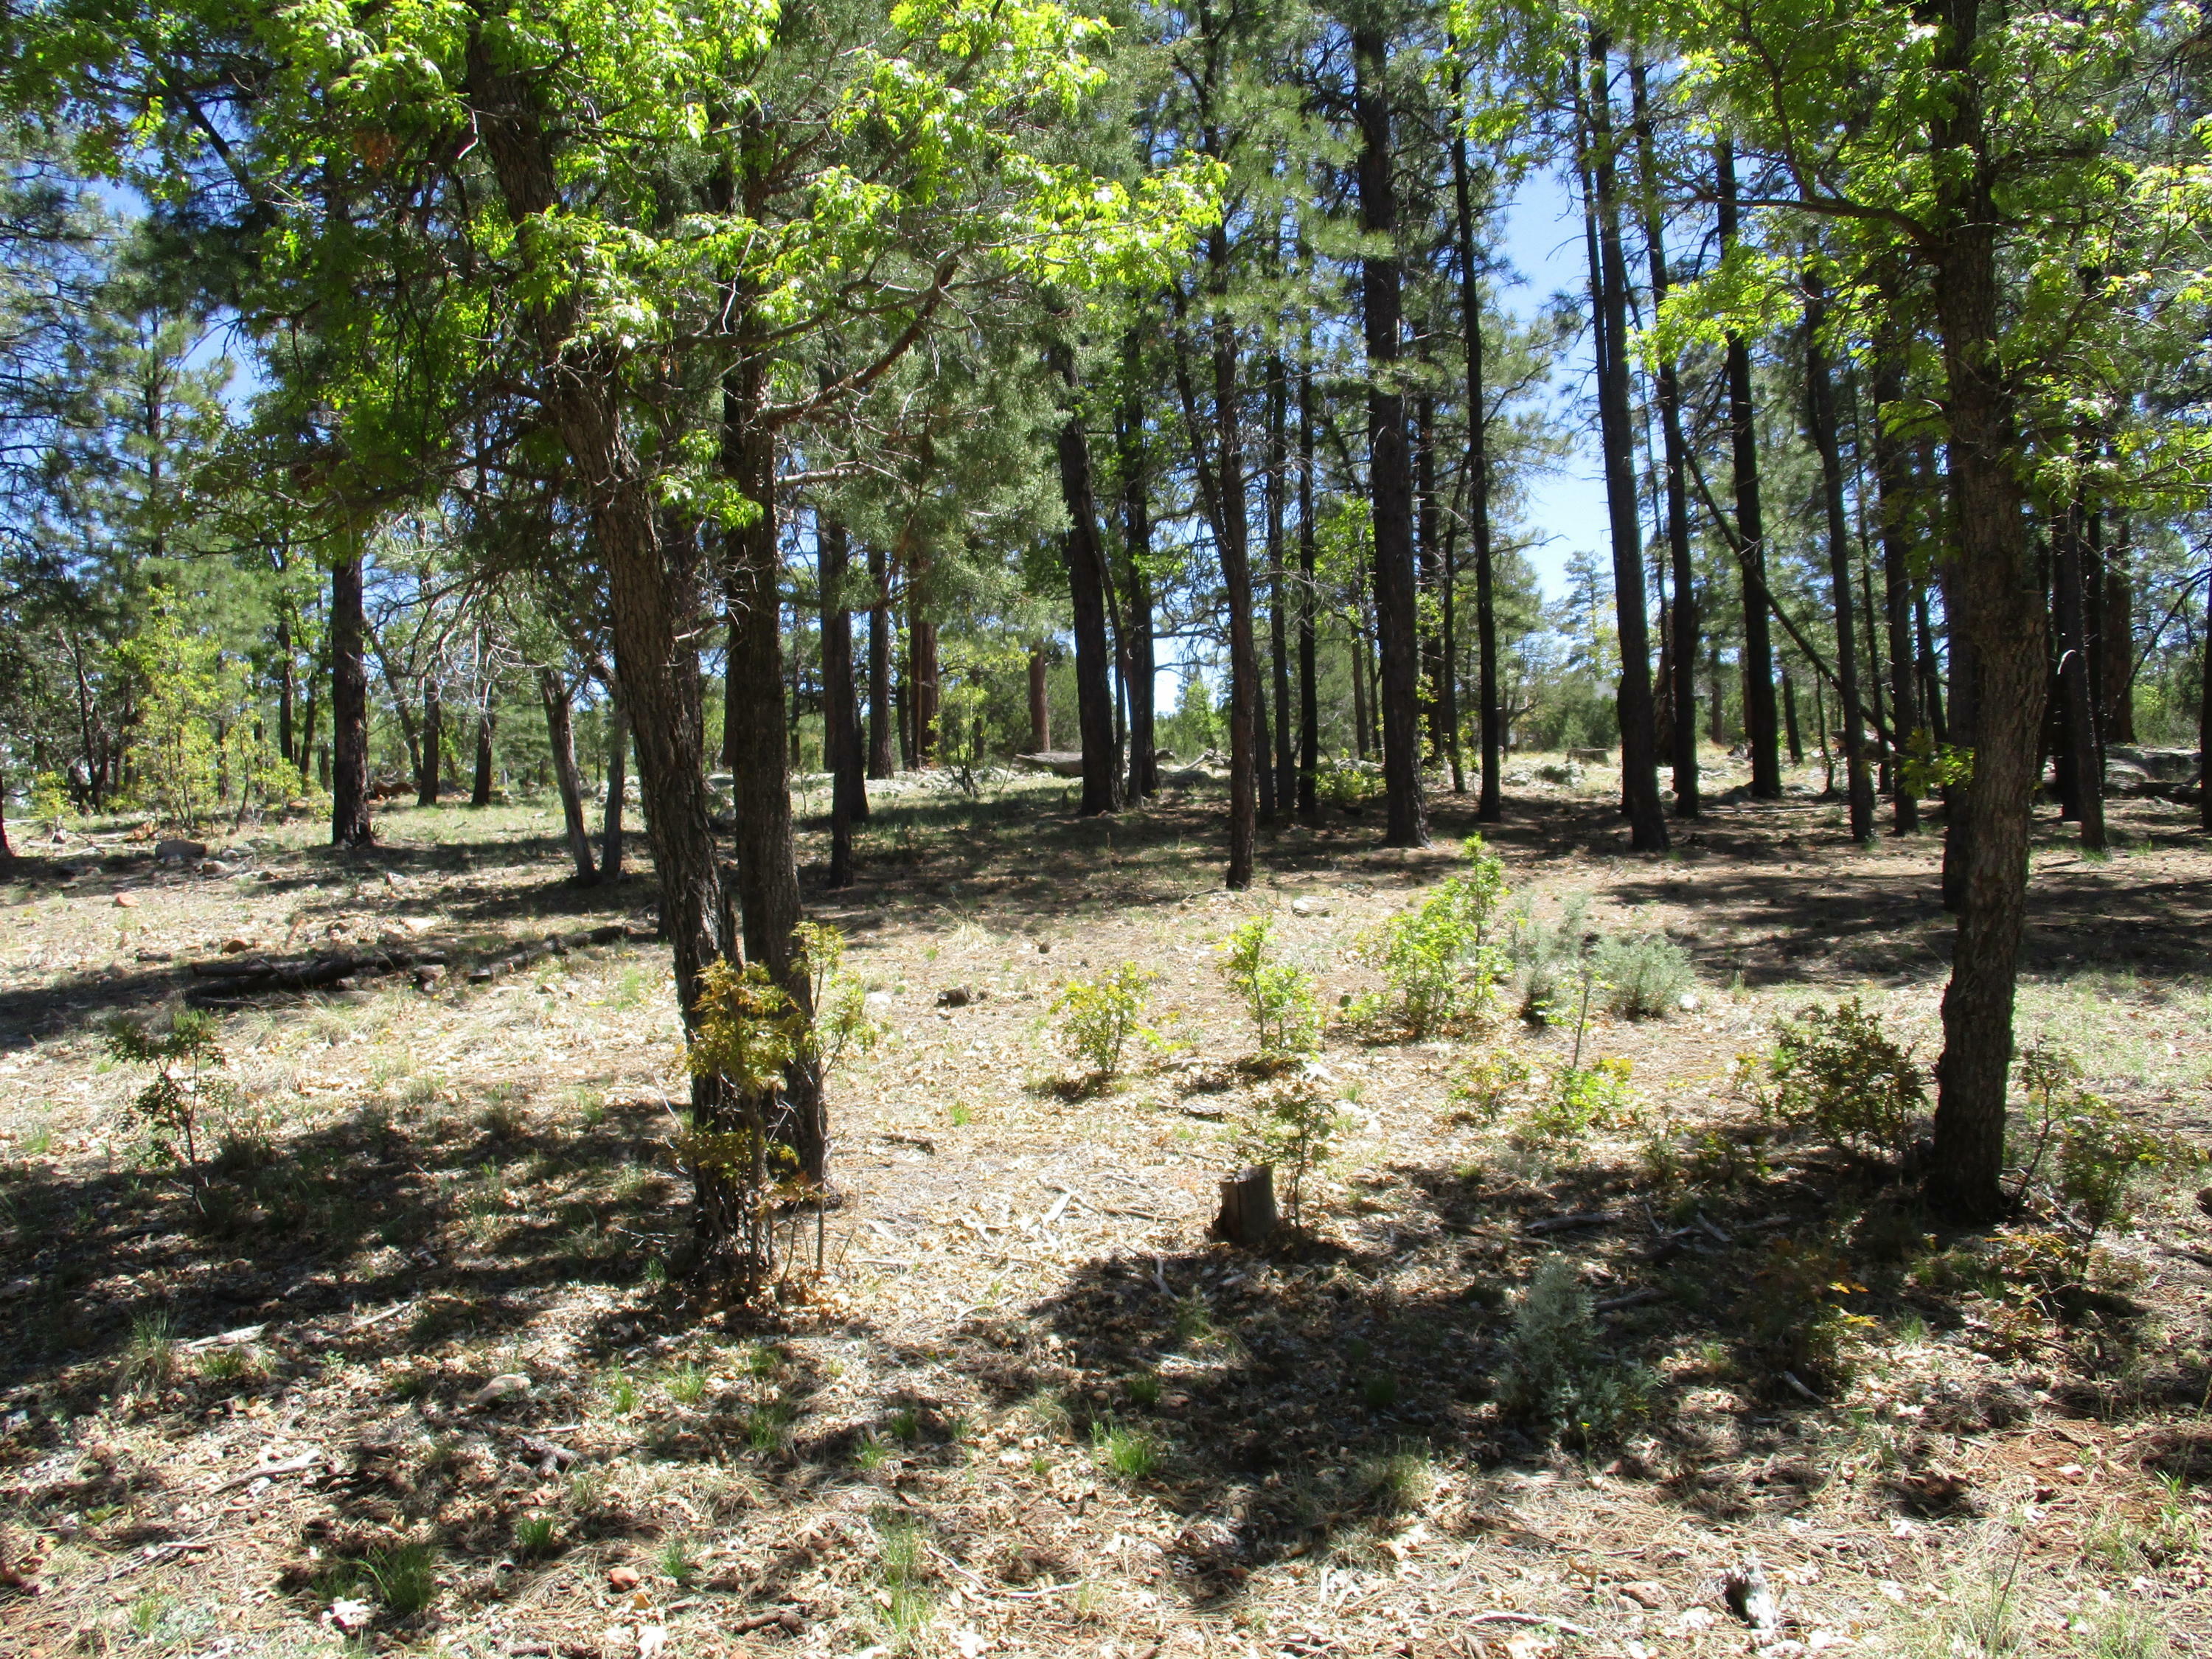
(185, 1088)
(1294, 1124)
(1285, 1012)
(1836, 1072)
(1097, 1016)
(1438, 958)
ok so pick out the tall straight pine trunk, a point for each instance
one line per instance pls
(1390, 481)
(1640, 760)
(1820, 419)
(1489, 803)
(1762, 731)
(349, 823)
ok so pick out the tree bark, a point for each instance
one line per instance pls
(2118, 684)
(879, 665)
(349, 819)
(1040, 702)
(481, 786)
(610, 826)
(1086, 586)
(1283, 770)
(1308, 599)
(429, 760)
(1236, 576)
(1683, 630)
(2000, 605)
(841, 713)
(1821, 416)
(2078, 690)
(560, 738)
(1893, 480)
(1247, 1218)
(1789, 713)
(1759, 727)
(1136, 551)
(1639, 760)
(1389, 468)
(1489, 803)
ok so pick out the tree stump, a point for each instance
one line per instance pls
(1247, 1207)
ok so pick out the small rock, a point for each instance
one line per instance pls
(1646, 1593)
(394, 878)
(157, 955)
(175, 850)
(1749, 1596)
(346, 1614)
(621, 1579)
(513, 1385)
(1306, 907)
(1689, 1004)
(127, 901)
(957, 996)
(236, 947)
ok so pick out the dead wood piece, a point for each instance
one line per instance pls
(1634, 1299)
(153, 1554)
(1247, 1217)
(784, 1618)
(1542, 1620)
(552, 1457)
(299, 1465)
(238, 1338)
(1560, 1224)
(922, 1141)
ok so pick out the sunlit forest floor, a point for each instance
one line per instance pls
(1026, 1406)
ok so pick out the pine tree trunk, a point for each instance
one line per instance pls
(1086, 585)
(1760, 727)
(2077, 687)
(1682, 624)
(1137, 547)
(1428, 575)
(1489, 803)
(1789, 713)
(349, 820)
(433, 751)
(1279, 643)
(284, 684)
(1821, 416)
(1390, 481)
(1894, 508)
(1040, 703)
(841, 713)
(1236, 576)
(610, 824)
(2118, 684)
(879, 665)
(1639, 762)
(481, 786)
(560, 738)
(767, 875)
(1309, 601)
(2000, 607)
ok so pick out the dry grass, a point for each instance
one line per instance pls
(1002, 1419)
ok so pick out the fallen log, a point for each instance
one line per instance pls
(231, 980)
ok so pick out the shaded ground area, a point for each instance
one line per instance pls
(1028, 1406)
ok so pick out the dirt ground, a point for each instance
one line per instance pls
(406, 1373)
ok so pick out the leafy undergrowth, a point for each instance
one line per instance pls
(1568, 1336)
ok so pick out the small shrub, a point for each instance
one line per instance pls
(149, 1359)
(185, 1059)
(1837, 1072)
(2100, 1157)
(1293, 1124)
(1583, 1098)
(1546, 956)
(680, 1562)
(1098, 1016)
(1400, 1483)
(1557, 1379)
(1145, 1389)
(1795, 1315)
(1646, 975)
(1341, 782)
(1438, 958)
(1285, 1012)
(1491, 1081)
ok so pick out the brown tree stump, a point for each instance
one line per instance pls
(1248, 1214)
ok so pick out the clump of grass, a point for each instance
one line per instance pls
(906, 1424)
(621, 1395)
(1133, 1452)
(1379, 1392)
(686, 1385)
(534, 1537)
(1145, 1389)
(680, 1562)
(405, 1576)
(870, 1454)
(149, 1358)
(906, 1605)
(1399, 1484)
(230, 1363)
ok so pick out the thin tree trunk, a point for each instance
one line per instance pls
(1683, 631)
(560, 738)
(841, 712)
(1490, 805)
(1639, 762)
(1309, 601)
(879, 665)
(1086, 584)
(1751, 535)
(1428, 573)
(610, 826)
(1931, 677)
(1283, 769)
(2204, 720)
(1390, 481)
(480, 787)
(2077, 685)
(1040, 703)
(429, 760)
(1789, 714)
(1136, 549)
(2118, 684)
(349, 820)
(1237, 575)
(1894, 510)
(1820, 415)
(284, 684)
